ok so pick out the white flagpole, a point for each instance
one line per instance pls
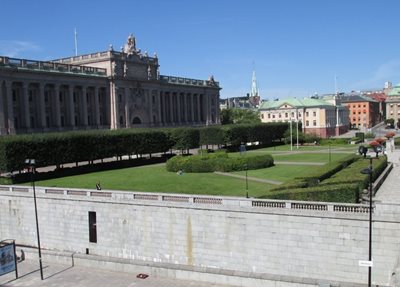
(291, 135)
(76, 43)
(297, 129)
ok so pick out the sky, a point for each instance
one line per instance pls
(297, 47)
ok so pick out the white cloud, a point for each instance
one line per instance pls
(16, 48)
(389, 71)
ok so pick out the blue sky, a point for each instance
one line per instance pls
(296, 46)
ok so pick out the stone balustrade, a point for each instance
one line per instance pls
(186, 81)
(192, 200)
(50, 66)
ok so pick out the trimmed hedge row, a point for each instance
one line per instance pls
(217, 162)
(348, 193)
(60, 148)
(343, 186)
(321, 174)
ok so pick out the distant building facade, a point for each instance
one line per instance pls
(105, 90)
(393, 103)
(364, 111)
(317, 116)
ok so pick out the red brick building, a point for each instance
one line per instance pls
(364, 111)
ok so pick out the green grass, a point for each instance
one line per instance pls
(156, 179)
(284, 173)
(309, 157)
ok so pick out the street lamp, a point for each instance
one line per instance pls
(368, 170)
(247, 184)
(30, 164)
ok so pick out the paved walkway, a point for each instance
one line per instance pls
(275, 182)
(57, 275)
(389, 192)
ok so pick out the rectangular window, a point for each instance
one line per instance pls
(92, 227)
(314, 123)
(14, 95)
(314, 114)
(30, 95)
(286, 115)
(60, 96)
(269, 116)
(306, 114)
(262, 116)
(307, 123)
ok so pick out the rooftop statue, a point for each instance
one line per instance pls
(130, 46)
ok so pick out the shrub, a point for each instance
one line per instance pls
(217, 162)
(328, 193)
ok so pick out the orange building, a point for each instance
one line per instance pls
(364, 111)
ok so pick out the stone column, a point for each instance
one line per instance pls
(57, 112)
(3, 107)
(185, 109)
(126, 105)
(25, 99)
(216, 108)
(42, 106)
(10, 108)
(71, 106)
(84, 106)
(179, 112)
(171, 108)
(114, 113)
(192, 107)
(164, 103)
(96, 106)
(158, 98)
(198, 109)
(149, 96)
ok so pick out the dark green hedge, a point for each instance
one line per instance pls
(342, 185)
(328, 193)
(217, 162)
(60, 148)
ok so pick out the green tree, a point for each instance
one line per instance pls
(239, 116)
(226, 116)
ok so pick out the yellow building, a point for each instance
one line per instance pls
(317, 116)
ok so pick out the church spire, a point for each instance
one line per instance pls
(254, 88)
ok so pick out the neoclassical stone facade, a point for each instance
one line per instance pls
(105, 90)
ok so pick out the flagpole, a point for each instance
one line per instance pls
(76, 43)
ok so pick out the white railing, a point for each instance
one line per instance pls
(256, 204)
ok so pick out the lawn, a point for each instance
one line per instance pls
(156, 179)
(284, 173)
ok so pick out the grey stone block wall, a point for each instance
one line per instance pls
(323, 245)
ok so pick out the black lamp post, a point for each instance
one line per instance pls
(30, 163)
(247, 184)
(369, 171)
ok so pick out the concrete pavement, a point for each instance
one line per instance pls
(58, 275)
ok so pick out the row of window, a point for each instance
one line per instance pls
(286, 115)
(359, 106)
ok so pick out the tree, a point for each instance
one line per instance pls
(226, 116)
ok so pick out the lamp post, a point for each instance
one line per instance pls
(369, 171)
(30, 163)
(247, 184)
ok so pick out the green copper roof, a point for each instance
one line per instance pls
(395, 92)
(294, 102)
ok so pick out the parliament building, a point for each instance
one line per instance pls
(104, 90)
